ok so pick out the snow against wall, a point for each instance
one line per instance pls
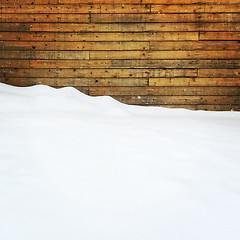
(78, 167)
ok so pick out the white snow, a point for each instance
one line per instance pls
(82, 168)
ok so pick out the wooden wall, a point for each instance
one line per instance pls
(161, 52)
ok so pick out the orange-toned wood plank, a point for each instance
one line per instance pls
(80, 8)
(7, 63)
(191, 17)
(97, 1)
(19, 45)
(190, 1)
(14, 27)
(161, 45)
(27, 18)
(220, 36)
(103, 73)
(194, 82)
(195, 8)
(195, 45)
(76, 37)
(129, 27)
(26, 2)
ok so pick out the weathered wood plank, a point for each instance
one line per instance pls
(135, 64)
(14, 64)
(209, 81)
(179, 100)
(195, 8)
(44, 55)
(219, 36)
(164, 54)
(109, 55)
(103, 73)
(162, 45)
(115, 73)
(214, 63)
(121, 8)
(14, 27)
(195, 45)
(177, 18)
(19, 45)
(165, 91)
(129, 27)
(70, 63)
(73, 9)
(99, 37)
(75, 82)
(26, 2)
(97, 1)
(190, 1)
(219, 73)
(28, 18)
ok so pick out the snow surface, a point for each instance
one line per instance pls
(82, 168)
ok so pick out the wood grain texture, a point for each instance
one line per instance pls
(171, 53)
(76, 82)
(165, 91)
(198, 82)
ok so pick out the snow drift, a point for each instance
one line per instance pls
(77, 167)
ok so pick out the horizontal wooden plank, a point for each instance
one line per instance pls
(214, 63)
(195, 8)
(195, 45)
(44, 55)
(70, 63)
(26, 2)
(28, 18)
(127, 27)
(14, 27)
(198, 82)
(164, 54)
(190, 1)
(76, 82)
(219, 36)
(30, 2)
(177, 18)
(93, 73)
(164, 45)
(77, 2)
(219, 73)
(118, 27)
(115, 73)
(147, 1)
(96, 37)
(134, 63)
(177, 100)
(14, 64)
(74, 9)
(108, 55)
(19, 45)
(165, 91)
(97, 1)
